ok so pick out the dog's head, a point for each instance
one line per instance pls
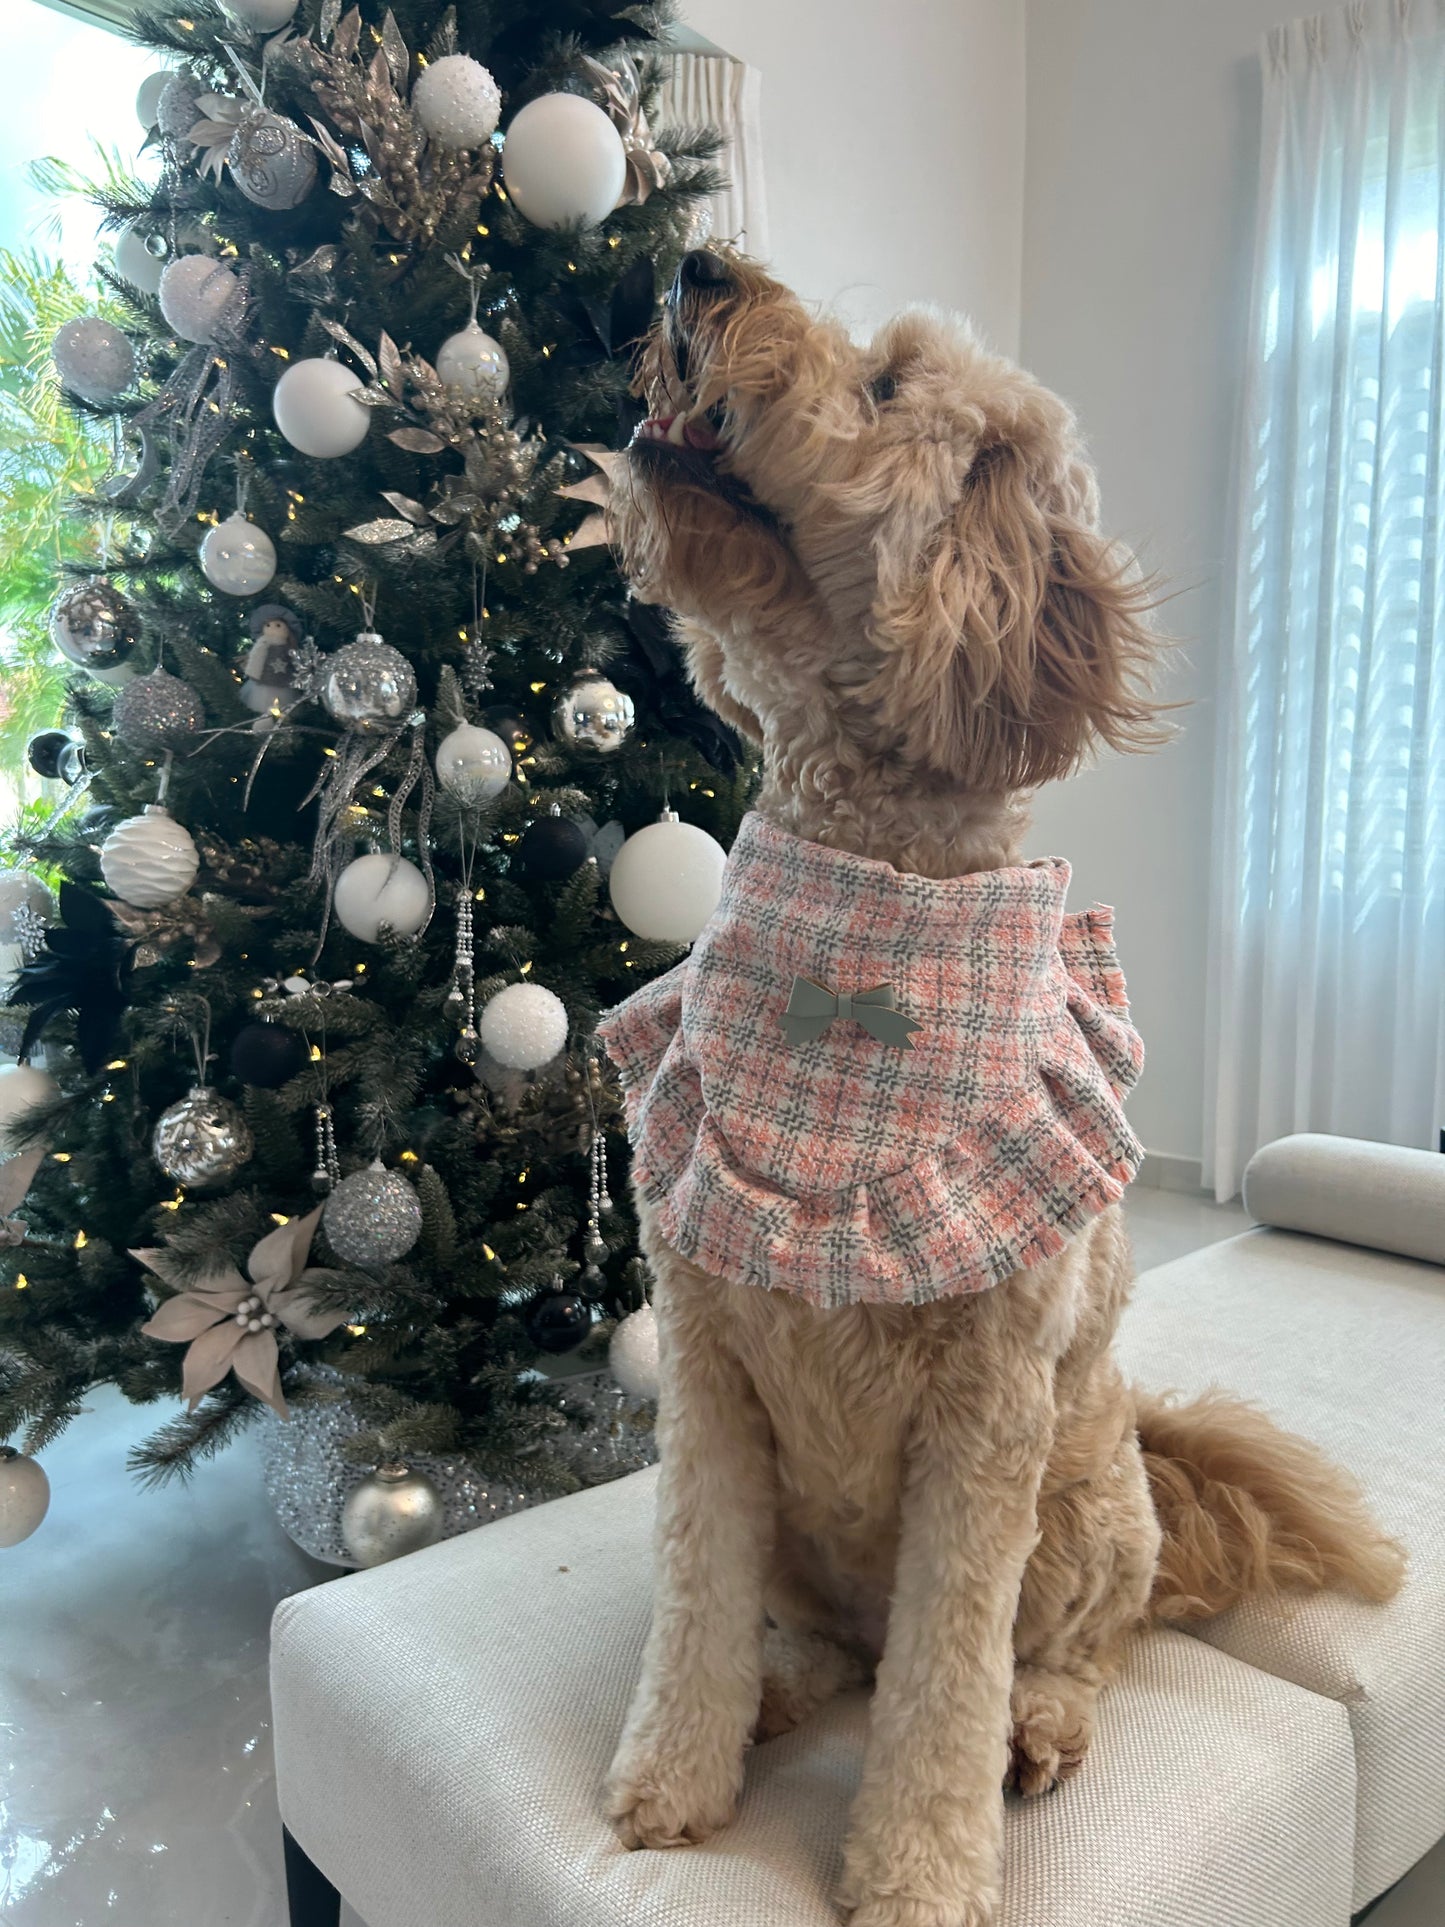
(901, 537)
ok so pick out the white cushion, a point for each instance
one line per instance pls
(1383, 1195)
(1348, 1348)
(443, 1725)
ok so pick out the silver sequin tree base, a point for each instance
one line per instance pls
(308, 1475)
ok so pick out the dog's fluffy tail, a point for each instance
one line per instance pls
(1247, 1509)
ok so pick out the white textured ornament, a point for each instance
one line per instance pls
(472, 361)
(564, 162)
(457, 102)
(632, 1354)
(271, 160)
(24, 1495)
(136, 262)
(202, 1139)
(264, 16)
(23, 899)
(666, 880)
(377, 889)
(524, 1026)
(394, 1510)
(150, 859)
(473, 764)
(21, 1088)
(316, 408)
(373, 1217)
(195, 292)
(237, 557)
(148, 96)
(94, 358)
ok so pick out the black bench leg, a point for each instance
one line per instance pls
(311, 1899)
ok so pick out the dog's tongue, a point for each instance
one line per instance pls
(683, 431)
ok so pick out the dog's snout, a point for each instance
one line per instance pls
(702, 270)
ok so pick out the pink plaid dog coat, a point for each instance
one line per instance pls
(850, 1170)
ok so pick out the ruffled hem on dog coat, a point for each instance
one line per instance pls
(848, 1169)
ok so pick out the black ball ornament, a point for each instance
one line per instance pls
(44, 751)
(552, 848)
(267, 1055)
(558, 1321)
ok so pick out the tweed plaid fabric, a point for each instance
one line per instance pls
(851, 1171)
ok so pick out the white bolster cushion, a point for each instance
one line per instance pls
(1385, 1196)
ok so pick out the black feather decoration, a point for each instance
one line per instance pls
(85, 967)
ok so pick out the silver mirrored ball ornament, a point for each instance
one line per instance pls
(201, 1140)
(93, 626)
(593, 713)
(368, 684)
(393, 1511)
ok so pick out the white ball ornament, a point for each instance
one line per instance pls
(24, 1495)
(473, 764)
(195, 292)
(94, 358)
(24, 899)
(237, 557)
(22, 1087)
(316, 408)
(149, 860)
(148, 96)
(378, 890)
(263, 16)
(666, 880)
(457, 102)
(472, 361)
(632, 1354)
(564, 163)
(135, 260)
(524, 1026)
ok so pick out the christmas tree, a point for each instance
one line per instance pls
(361, 717)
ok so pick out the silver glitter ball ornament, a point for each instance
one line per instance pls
(368, 685)
(179, 106)
(593, 713)
(93, 626)
(393, 1511)
(372, 1217)
(201, 1140)
(271, 160)
(157, 712)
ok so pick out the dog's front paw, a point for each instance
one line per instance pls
(661, 1804)
(913, 1882)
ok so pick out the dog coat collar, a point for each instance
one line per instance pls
(797, 1149)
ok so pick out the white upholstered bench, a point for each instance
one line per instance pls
(443, 1724)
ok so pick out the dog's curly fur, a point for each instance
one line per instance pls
(888, 573)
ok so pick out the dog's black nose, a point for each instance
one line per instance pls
(703, 270)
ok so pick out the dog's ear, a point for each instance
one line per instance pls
(1018, 637)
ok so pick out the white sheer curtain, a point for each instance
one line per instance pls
(717, 91)
(1328, 972)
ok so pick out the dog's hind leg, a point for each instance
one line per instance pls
(1085, 1588)
(801, 1672)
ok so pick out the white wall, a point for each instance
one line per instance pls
(1141, 157)
(893, 146)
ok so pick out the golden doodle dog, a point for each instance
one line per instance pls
(887, 572)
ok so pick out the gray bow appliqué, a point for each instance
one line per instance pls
(812, 1007)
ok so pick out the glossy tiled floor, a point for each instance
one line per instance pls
(135, 1746)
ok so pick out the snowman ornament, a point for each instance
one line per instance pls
(271, 662)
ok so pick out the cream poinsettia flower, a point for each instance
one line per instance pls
(230, 1322)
